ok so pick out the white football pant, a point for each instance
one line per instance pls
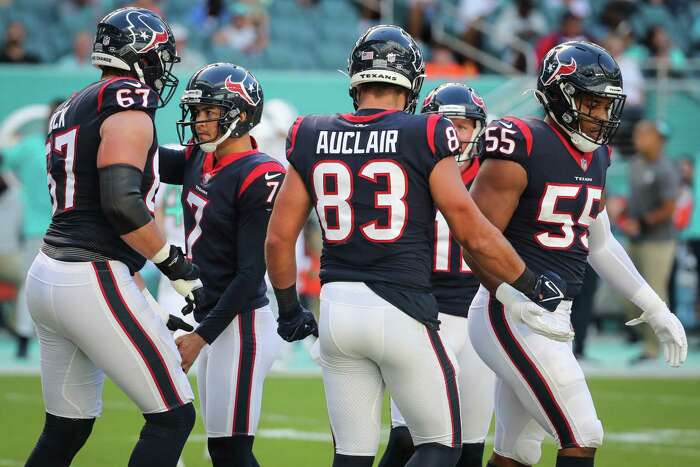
(539, 384)
(476, 382)
(91, 320)
(231, 373)
(366, 343)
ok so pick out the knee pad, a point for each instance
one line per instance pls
(527, 450)
(176, 423)
(232, 451)
(591, 433)
(435, 455)
(60, 440)
(399, 449)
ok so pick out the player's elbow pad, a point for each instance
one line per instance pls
(121, 199)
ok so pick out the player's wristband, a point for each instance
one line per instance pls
(526, 282)
(287, 300)
(162, 255)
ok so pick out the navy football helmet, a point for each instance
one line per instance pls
(458, 100)
(141, 42)
(574, 69)
(230, 87)
(387, 54)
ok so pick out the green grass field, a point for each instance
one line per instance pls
(648, 423)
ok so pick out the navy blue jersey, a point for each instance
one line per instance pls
(226, 206)
(549, 228)
(71, 159)
(367, 174)
(454, 285)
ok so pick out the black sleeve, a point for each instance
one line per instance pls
(256, 206)
(171, 164)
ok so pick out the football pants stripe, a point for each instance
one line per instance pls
(246, 367)
(450, 375)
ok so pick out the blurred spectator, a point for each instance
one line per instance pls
(658, 53)
(654, 188)
(443, 64)
(27, 161)
(633, 81)
(369, 16)
(570, 29)
(82, 49)
(190, 59)
(11, 271)
(472, 14)
(420, 16)
(518, 20)
(246, 31)
(558, 8)
(13, 50)
(271, 134)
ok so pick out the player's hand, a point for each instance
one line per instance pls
(189, 347)
(549, 291)
(297, 326)
(174, 323)
(554, 325)
(669, 331)
(194, 299)
(177, 267)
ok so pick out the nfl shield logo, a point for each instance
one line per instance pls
(584, 164)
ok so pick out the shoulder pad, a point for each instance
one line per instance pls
(507, 138)
(263, 174)
(441, 136)
(118, 94)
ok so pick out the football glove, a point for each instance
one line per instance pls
(184, 277)
(172, 322)
(297, 325)
(668, 330)
(554, 325)
(549, 290)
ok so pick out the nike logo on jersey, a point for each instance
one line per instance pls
(555, 290)
(506, 124)
(131, 83)
(269, 176)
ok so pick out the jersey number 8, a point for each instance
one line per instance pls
(338, 200)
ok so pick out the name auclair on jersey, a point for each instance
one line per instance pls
(357, 142)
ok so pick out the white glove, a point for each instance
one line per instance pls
(185, 287)
(553, 325)
(669, 331)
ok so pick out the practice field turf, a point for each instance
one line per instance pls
(648, 423)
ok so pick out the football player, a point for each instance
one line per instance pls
(91, 317)
(374, 177)
(454, 286)
(228, 189)
(542, 182)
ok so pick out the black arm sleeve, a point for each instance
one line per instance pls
(121, 199)
(251, 270)
(171, 164)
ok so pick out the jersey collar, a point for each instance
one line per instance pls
(211, 166)
(583, 159)
(367, 115)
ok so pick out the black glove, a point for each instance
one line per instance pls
(177, 266)
(549, 290)
(197, 300)
(297, 325)
(174, 323)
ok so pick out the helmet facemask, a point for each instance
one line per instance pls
(226, 123)
(472, 148)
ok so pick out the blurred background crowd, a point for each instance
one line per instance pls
(653, 190)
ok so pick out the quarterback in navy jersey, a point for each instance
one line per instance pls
(454, 286)
(228, 190)
(542, 183)
(91, 315)
(374, 178)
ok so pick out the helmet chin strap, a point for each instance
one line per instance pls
(210, 146)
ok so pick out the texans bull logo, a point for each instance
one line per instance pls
(478, 101)
(557, 69)
(239, 87)
(154, 38)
